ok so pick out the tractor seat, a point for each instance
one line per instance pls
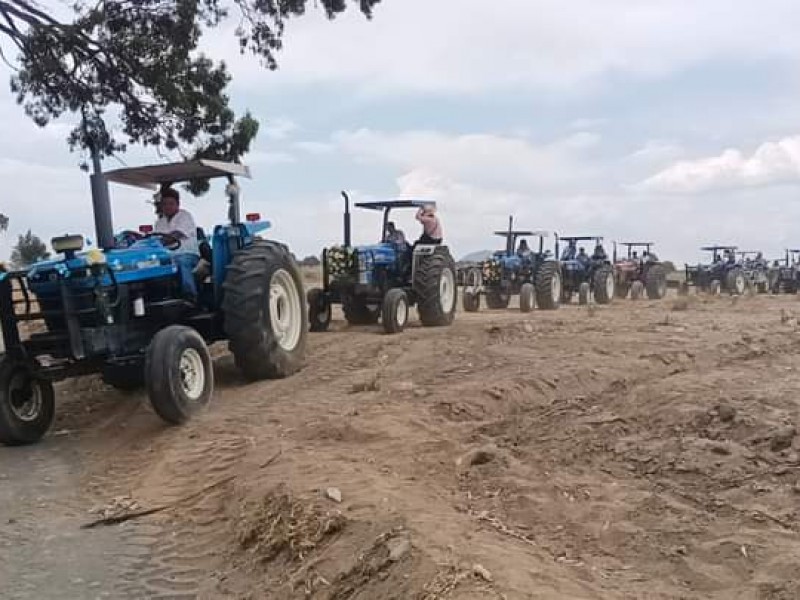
(203, 246)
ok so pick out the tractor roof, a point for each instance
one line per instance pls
(519, 233)
(150, 176)
(580, 238)
(793, 250)
(636, 244)
(715, 248)
(383, 204)
(745, 252)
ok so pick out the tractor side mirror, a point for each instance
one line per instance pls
(253, 217)
(145, 229)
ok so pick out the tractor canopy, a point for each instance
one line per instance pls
(151, 176)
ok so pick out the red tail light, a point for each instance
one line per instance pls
(253, 217)
(145, 229)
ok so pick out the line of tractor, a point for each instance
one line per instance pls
(119, 309)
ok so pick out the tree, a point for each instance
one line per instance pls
(3, 222)
(140, 58)
(310, 261)
(28, 250)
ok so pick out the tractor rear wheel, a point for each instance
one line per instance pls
(603, 281)
(435, 287)
(358, 312)
(496, 299)
(266, 320)
(125, 378)
(656, 282)
(527, 297)
(735, 282)
(394, 311)
(549, 286)
(621, 289)
(471, 301)
(27, 403)
(179, 373)
(319, 310)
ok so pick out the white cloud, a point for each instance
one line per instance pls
(457, 46)
(277, 129)
(771, 163)
(315, 147)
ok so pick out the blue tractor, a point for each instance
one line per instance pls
(784, 275)
(724, 272)
(517, 270)
(588, 275)
(119, 311)
(381, 281)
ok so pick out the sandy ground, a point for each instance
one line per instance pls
(642, 450)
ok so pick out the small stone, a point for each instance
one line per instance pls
(398, 548)
(482, 572)
(334, 494)
(403, 386)
(420, 392)
(681, 550)
(527, 327)
(480, 456)
(726, 413)
(782, 439)
(721, 448)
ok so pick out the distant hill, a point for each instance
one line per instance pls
(477, 256)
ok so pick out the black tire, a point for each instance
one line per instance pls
(566, 296)
(527, 297)
(715, 287)
(319, 310)
(621, 289)
(27, 403)
(177, 391)
(603, 284)
(436, 273)
(256, 348)
(471, 301)
(125, 378)
(583, 293)
(735, 282)
(549, 286)
(394, 311)
(656, 282)
(358, 312)
(497, 299)
(683, 289)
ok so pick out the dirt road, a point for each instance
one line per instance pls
(642, 450)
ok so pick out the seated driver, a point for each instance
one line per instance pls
(178, 223)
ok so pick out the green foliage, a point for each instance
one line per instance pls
(140, 59)
(3, 222)
(29, 249)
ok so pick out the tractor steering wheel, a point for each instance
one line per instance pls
(169, 241)
(126, 238)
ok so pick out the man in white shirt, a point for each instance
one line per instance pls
(179, 224)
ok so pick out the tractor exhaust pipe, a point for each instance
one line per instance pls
(510, 238)
(101, 203)
(346, 219)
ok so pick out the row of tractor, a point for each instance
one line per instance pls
(121, 310)
(734, 271)
(546, 278)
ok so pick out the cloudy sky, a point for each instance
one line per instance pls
(672, 120)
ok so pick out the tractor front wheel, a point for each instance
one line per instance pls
(435, 287)
(656, 282)
(27, 403)
(497, 299)
(471, 301)
(583, 293)
(179, 373)
(549, 286)
(603, 285)
(266, 320)
(319, 310)
(394, 311)
(637, 290)
(735, 282)
(527, 297)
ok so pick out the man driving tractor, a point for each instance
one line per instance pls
(179, 224)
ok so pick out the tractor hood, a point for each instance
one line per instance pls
(146, 259)
(377, 254)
